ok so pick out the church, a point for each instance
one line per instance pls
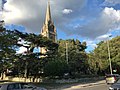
(48, 30)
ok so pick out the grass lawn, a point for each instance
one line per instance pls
(53, 85)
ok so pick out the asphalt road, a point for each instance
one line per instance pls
(93, 87)
(96, 87)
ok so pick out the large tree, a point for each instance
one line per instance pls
(99, 58)
(8, 41)
(74, 50)
(31, 61)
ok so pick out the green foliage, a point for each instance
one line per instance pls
(55, 68)
(8, 48)
(99, 60)
(33, 40)
(31, 59)
(1, 26)
(77, 58)
(28, 60)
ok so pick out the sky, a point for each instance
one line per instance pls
(87, 20)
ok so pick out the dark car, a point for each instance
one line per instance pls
(115, 86)
(19, 86)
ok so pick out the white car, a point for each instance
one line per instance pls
(19, 86)
(110, 79)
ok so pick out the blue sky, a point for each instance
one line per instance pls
(86, 20)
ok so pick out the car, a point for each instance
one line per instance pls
(19, 86)
(111, 78)
(115, 86)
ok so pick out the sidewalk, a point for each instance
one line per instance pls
(75, 87)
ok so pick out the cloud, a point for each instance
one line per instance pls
(0, 5)
(2, 2)
(104, 37)
(108, 20)
(67, 11)
(90, 44)
(85, 18)
(21, 50)
(111, 2)
(31, 14)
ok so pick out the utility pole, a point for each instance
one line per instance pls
(67, 52)
(109, 55)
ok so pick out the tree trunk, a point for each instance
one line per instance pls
(3, 75)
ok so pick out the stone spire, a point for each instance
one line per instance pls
(48, 14)
(48, 29)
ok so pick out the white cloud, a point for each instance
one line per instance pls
(67, 11)
(91, 44)
(113, 18)
(111, 2)
(24, 46)
(31, 14)
(103, 37)
(21, 50)
(112, 13)
(108, 20)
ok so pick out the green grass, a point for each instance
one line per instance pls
(53, 85)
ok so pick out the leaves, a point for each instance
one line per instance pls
(100, 56)
(76, 54)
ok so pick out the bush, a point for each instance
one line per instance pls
(55, 68)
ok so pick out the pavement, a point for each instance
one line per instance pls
(91, 84)
(75, 87)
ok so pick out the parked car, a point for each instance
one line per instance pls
(19, 86)
(111, 78)
(115, 86)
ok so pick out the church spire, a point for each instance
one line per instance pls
(48, 13)
(48, 29)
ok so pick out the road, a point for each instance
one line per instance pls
(96, 87)
(93, 87)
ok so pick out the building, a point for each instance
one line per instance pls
(48, 30)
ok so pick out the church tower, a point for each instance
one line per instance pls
(48, 29)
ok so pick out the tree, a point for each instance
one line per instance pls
(32, 59)
(98, 59)
(1, 26)
(27, 60)
(55, 68)
(76, 54)
(8, 48)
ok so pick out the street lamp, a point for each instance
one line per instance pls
(67, 52)
(109, 55)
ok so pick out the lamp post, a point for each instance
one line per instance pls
(67, 52)
(109, 55)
